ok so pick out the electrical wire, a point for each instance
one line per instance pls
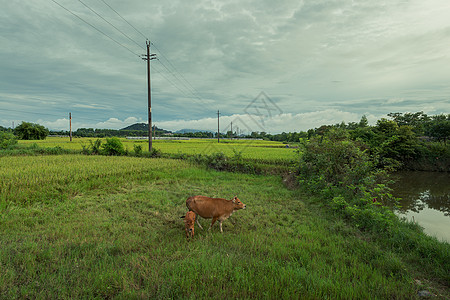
(184, 82)
(74, 14)
(124, 19)
(124, 34)
(47, 114)
(162, 54)
(189, 92)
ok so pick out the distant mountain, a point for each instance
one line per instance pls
(137, 126)
(143, 127)
(191, 131)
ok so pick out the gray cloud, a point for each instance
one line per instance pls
(353, 57)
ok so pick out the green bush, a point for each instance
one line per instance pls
(334, 159)
(219, 161)
(155, 152)
(342, 172)
(113, 146)
(137, 149)
(7, 140)
(94, 148)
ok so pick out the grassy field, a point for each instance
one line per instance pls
(74, 226)
(255, 150)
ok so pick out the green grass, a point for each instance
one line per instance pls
(74, 226)
(253, 150)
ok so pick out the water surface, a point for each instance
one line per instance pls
(425, 200)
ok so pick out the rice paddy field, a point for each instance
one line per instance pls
(255, 150)
(99, 227)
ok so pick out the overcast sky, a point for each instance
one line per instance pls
(266, 65)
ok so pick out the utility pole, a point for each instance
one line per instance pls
(218, 127)
(148, 57)
(70, 126)
(231, 130)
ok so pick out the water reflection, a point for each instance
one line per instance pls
(419, 190)
(425, 198)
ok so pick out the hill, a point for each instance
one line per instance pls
(143, 127)
(191, 131)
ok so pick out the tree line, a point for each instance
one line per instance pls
(419, 124)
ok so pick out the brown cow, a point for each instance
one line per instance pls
(215, 208)
(189, 221)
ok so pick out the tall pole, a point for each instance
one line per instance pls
(70, 126)
(148, 57)
(149, 92)
(231, 130)
(218, 127)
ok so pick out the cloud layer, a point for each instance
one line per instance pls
(321, 62)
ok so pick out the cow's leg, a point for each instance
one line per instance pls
(213, 221)
(198, 223)
(220, 224)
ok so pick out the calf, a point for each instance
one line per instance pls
(215, 208)
(189, 221)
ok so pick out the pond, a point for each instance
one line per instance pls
(425, 200)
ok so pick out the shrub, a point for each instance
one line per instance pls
(93, 148)
(155, 153)
(334, 159)
(7, 140)
(345, 176)
(113, 146)
(219, 161)
(137, 149)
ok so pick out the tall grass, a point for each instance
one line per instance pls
(116, 232)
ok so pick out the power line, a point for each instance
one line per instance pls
(171, 82)
(27, 112)
(95, 28)
(185, 83)
(124, 34)
(176, 77)
(162, 54)
(47, 114)
(125, 20)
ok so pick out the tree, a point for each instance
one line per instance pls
(363, 122)
(415, 120)
(31, 131)
(401, 146)
(439, 128)
(387, 127)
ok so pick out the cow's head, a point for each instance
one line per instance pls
(189, 221)
(238, 204)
